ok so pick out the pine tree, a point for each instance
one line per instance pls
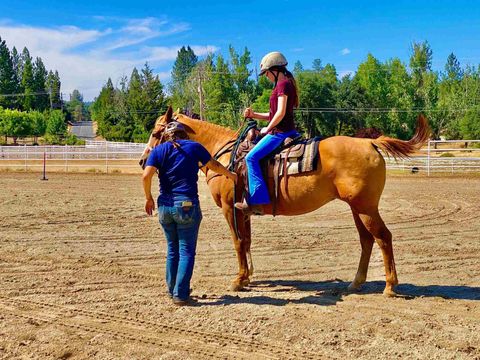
(39, 80)
(152, 90)
(135, 103)
(182, 68)
(52, 86)
(17, 64)
(28, 84)
(8, 83)
(297, 68)
(75, 106)
(18, 68)
(317, 65)
(421, 58)
(220, 94)
(453, 70)
(102, 111)
(424, 80)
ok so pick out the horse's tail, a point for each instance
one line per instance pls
(401, 148)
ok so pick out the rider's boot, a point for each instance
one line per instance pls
(249, 209)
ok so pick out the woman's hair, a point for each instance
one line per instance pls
(164, 133)
(290, 77)
(174, 136)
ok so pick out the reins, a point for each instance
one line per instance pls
(232, 146)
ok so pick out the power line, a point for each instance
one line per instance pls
(380, 110)
(26, 94)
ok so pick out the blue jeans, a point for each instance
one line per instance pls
(180, 225)
(257, 188)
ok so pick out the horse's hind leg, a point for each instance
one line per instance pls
(375, 225)
(366, 241)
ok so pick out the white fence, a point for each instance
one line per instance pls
(123, 157)
(434, 162)
(93, 156)
(113, 145)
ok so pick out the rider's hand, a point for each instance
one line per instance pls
(248, 113)
(264, 131)
(149, 206)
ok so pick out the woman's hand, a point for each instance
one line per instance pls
(248, 113)
(264, 131)
(149, 206)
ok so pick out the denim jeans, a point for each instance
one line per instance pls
(257, 188)
(180, 225)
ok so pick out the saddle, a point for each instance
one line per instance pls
(294, 156)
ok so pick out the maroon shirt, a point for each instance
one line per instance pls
(284, 87)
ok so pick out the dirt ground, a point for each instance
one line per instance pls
(82, 277)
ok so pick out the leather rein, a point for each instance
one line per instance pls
(231, 146)
(224, 149)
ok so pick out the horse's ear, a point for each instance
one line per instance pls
(169, 114)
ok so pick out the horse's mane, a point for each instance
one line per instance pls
(216, 128)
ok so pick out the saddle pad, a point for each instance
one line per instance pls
(296, 165)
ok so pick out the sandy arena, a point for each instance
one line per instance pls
(82, 277)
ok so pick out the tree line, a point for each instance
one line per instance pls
(31, 103)
(385, 95)
(128, 112)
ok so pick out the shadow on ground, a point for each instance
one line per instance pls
(330, 292)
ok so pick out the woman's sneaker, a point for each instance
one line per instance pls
(180, 302)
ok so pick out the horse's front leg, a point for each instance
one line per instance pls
(241, 241)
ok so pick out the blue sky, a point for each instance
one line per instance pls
(90, 41)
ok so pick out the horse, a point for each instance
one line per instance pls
(349, 169)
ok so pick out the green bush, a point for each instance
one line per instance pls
(56, 124)
(71, 139)
(50, 139)
(447, 154)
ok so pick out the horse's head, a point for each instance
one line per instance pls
(156, 137)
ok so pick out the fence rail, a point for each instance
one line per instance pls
(112, 156)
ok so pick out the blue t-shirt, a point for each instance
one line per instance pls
(178, 169)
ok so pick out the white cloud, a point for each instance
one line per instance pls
(138, 31)
(86, 58)
(345, 51)
(38, 39)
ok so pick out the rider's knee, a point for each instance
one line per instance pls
(252, 157)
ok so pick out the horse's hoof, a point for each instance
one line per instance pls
(389, 293)
(236, 286)
(353, 287)
(245, 282)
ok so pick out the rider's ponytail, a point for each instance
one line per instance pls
(290, 77)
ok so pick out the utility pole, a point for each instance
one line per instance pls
(200, 93)
(50, 96)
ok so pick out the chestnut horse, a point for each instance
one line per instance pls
(349, 169)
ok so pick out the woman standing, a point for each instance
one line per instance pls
(178, 161)
(281, 124)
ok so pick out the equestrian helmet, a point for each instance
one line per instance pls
(271, 60)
